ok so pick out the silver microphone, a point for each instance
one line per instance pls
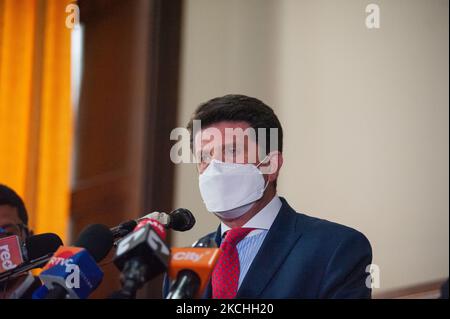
(180, 219)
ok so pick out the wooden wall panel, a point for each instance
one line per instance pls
(127, 107)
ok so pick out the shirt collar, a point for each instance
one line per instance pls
(263, 219)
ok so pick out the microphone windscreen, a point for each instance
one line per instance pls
(97, 239)
(42, 244)
(181, 219)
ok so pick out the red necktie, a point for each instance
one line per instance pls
(225, 276)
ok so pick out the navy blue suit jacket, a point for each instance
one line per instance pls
(305, 257)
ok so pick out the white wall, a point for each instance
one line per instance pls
(365, 115)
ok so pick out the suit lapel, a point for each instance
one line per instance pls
(276, 246)
(278, 243)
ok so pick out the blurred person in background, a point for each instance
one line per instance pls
(14, 222)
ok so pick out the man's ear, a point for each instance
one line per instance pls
(272, 165)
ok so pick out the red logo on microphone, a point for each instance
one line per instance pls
(157, 226)
(10, 253)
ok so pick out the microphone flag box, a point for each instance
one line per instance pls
(146, 243)
(74, 269)
(10, 253)
(202, 260)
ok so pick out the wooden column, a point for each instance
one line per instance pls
(127, 108)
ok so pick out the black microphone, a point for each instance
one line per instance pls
(180, 219)
(38, 250)
(141, 256)
(97, 239)
(40, 245)
(123, 229)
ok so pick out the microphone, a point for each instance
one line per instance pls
(180, 219)
(141, 256)
(38, 249)
(73, 272)
(10, 253)
(97, 240)
(41, 245)
(123, 229)
(191, 268)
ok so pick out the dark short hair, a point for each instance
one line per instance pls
(10, 197)
(237, 108)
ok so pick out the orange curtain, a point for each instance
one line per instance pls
(35, 109)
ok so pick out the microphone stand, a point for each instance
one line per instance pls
(133, 277)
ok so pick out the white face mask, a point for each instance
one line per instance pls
(229, 189)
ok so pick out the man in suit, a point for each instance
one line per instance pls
(268, 249)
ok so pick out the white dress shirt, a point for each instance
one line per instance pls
(249, 246)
